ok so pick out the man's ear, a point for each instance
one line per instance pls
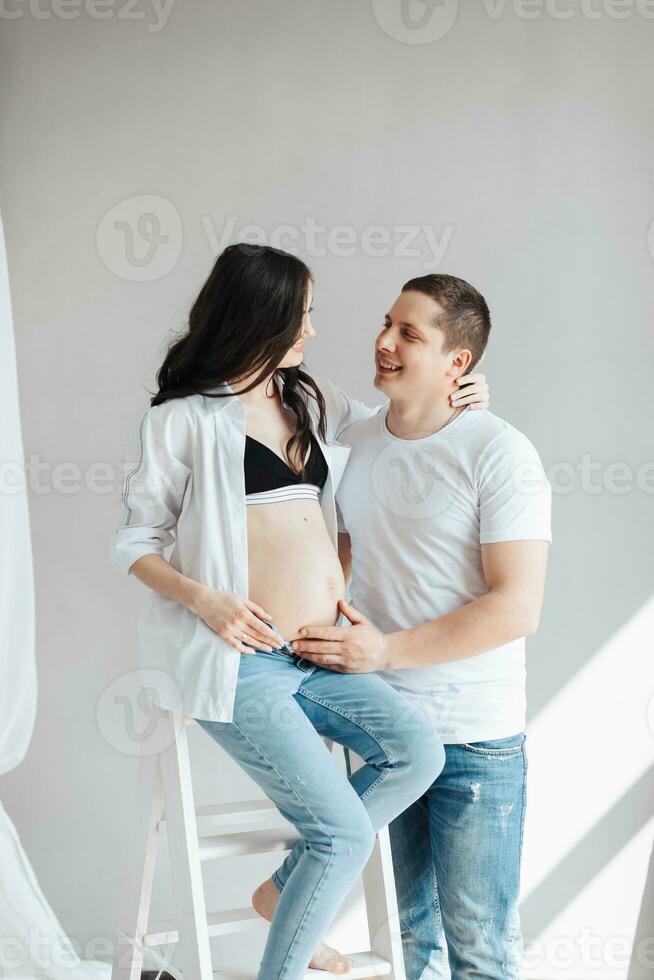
(461, 362)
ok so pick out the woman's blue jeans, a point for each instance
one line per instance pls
(284, 707)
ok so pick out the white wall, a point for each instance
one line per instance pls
(522, 140)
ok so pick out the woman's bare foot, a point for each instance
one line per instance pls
(264, 901)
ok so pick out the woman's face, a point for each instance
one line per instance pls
(295, 355)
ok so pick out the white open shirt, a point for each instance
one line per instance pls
(187, 490)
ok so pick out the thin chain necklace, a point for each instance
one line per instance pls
(454, 414)
(457, 411)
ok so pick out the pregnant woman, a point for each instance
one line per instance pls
(236, 467)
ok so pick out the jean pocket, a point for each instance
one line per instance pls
(512, 745)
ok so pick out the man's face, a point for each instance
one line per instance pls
(411, 343)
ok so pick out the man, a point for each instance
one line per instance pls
(448, 516)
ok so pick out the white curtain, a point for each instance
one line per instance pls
(32, 942)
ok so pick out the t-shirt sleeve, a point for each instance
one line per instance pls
(515, 496)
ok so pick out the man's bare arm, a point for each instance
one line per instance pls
(515, 575)
(345, 555)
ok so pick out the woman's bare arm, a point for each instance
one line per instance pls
(239, 621)
(158, 574)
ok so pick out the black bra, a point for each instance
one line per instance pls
(268, 479)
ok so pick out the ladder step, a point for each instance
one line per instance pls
(366, 965)
(254, 842)
(218, 924)
(252, 813)
(255, 814)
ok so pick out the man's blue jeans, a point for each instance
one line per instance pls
(456, 855)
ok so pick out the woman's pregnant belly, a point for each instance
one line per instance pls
(294, 571)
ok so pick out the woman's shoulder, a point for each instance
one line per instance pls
(172, 423)
(189, 407)
(173, 411)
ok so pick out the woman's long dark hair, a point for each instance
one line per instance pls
(245, 319)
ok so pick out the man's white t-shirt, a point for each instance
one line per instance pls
(418, 512)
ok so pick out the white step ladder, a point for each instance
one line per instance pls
(165, 795)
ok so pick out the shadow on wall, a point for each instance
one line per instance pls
(608, 836)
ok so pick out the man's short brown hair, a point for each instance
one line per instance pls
(465, 320)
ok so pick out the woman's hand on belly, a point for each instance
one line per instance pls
(237, 620)
(294, 570)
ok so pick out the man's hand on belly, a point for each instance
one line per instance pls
(357, 649)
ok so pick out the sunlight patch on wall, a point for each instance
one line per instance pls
(592, 937)
(588, 747)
